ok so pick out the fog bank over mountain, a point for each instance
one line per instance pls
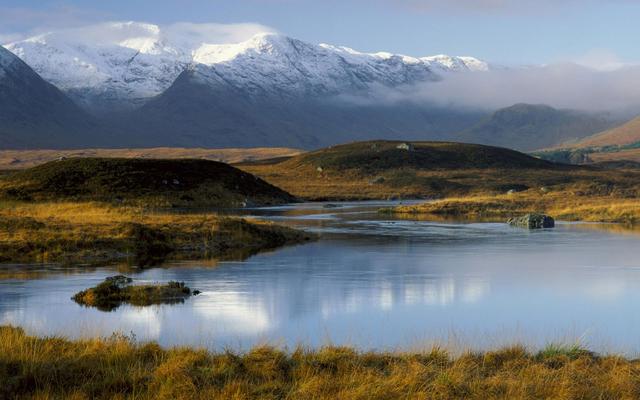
(567, 86)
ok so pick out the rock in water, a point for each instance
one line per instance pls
(532, 221)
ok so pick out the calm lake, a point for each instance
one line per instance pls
(373, 281)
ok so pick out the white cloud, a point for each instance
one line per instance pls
(18, 23)
(213, 33)
(560, 85)
(184, 35)
(600, 59)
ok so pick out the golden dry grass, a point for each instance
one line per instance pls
(568, 206)
(119, 368)
(98, 232)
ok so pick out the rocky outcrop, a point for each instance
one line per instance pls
(532, 221)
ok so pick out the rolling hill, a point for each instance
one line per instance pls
(176, 183)
(395, 169)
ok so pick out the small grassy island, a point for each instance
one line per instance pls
(116, 290)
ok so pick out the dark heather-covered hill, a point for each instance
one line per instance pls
(184, 182)
(394, 169)
(385, 155)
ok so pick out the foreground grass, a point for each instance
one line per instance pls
(565, 205)
(97, 232)
(119, 368)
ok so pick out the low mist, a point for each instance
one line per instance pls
(568, 86)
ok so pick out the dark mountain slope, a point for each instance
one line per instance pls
(191, 113)
(529, 127)
(35, 114)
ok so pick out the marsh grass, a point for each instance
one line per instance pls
(98, 232)
(119, 367)
(568, 206)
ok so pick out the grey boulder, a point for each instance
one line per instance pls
(532, 221)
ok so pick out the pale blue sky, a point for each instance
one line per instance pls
(502, 31)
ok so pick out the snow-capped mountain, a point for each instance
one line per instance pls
(125, 63)
(272, 63)
(105, 64)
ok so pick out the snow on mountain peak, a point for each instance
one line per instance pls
(132, 61)
(263, 43)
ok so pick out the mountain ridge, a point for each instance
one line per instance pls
(137, 61)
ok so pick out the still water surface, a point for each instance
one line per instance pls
(374, 282)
